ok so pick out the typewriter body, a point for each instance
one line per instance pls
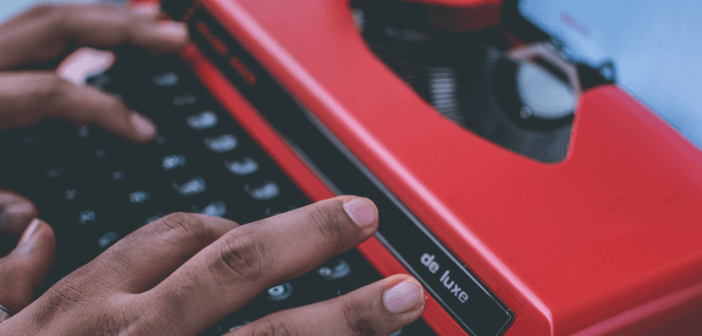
(600, 234)
(606, 240)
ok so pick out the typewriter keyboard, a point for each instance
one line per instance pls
(95, 188)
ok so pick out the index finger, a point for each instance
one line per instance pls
(229, 273)
(48, 31)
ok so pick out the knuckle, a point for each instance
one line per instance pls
(66, 293)
(127, 321)
(184, 225)
(62, 298)
(241, 256)
(359, 318)
(327, 221)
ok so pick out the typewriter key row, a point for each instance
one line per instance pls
(96, 188)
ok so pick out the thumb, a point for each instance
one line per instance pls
(15, 213)
(26, 266)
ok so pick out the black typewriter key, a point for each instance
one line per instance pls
(214, 208)
(262, 191)
(184, 99)
(274, 299)
(107, 240)
(166, 79)
(204, 120)
(87, 217)
(222, 143)
(172, 162)
(279, 292)
(182, 104)
(338, 277)
(242, 166)
(140, 197)
(192, 187)
(334, 270)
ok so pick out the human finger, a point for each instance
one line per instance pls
(26, 266)
(232, 271)
(145, 257)
(47, 32)
(380, 308)
(29, 97)
(16, 212)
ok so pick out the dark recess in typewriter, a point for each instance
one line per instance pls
(513, 97)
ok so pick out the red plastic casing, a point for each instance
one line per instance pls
(608, 241)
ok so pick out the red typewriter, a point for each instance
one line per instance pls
(524, 172)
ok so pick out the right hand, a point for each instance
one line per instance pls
(183, 273)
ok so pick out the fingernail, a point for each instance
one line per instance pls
(174, 30)
(147, 10)
(404, 297)
(19, 208)
(13, 215)
(361, 211)
(29, 231)
(143, 125)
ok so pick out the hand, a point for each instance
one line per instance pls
(25, 267)
(47, 33)
(183, 273)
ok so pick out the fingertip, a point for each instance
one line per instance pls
(403, 294)
(176, 32)
(46, 235)
(21, 209)
(143, 126)
(361, 210)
